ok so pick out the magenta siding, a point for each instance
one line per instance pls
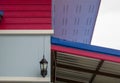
(25, 26)
(26, 20)
(36, 14)
(26, 14)
(25, 1)
(26, 7)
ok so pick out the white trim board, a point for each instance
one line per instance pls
(24, 79)
(26, 32)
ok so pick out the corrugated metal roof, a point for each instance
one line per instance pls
(83, 63)
(81, 69)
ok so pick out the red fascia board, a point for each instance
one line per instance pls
(85, 53)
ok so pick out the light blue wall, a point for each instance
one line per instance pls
(20, 54)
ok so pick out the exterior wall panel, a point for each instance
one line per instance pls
(24, 34)
(29, 15)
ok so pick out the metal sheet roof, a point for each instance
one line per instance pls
(83, 63)
(80, 69)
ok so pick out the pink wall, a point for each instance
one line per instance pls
(25, 14)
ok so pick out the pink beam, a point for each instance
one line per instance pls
(85, 53)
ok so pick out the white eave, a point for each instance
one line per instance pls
(41, 32)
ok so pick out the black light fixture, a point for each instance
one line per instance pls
(1, 15)
(43, 66)
(43, 62)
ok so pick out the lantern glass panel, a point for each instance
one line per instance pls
(45, 66)
(42, 66)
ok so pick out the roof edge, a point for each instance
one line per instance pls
(84, 53)
(103, 50)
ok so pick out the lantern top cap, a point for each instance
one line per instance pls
(43, 60)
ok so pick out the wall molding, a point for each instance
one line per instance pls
(24, 79)
(26, 32)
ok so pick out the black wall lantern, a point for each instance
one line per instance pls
(1, 15)
(43, 66)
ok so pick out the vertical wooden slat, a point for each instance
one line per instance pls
(53, 67)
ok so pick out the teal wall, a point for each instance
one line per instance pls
(20, 54)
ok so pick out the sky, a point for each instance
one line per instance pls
(107, 28)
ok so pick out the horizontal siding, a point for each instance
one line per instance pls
(25, 1)
(26, 20)
(24, 26)
(26, 14)
(25, 7)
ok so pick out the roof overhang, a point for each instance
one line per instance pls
(83, 63)
(85, 50)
